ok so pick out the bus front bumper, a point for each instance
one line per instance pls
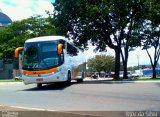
(44, 79)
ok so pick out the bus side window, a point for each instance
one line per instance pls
(71, 50)
(61, 58)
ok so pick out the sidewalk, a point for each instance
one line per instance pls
(89, 78)
(110, 80)
(9, 111)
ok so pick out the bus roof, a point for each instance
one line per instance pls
(45, 38)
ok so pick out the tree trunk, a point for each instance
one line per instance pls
(154, 71)
(117, 63)
(153, 63)
(125, 73)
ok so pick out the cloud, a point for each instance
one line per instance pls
(7, 2)
(90, 53)
(140, 55)
(22, 9)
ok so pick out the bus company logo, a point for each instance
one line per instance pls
(34, 72)
(9, 114)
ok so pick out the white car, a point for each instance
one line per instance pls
(129, 75)
(18, 77)
(135, 75)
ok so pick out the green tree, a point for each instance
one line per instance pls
(15, 34)
(150, 33)
(101, 63)
(103, 22)
(133, 68)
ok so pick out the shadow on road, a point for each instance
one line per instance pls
(105, 82)
(54, 86)
(62, 86)
(158, 84)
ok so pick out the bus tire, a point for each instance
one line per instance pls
(81, 80)
(68, 78)
(39, 85)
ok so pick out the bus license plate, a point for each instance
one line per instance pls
(39, 79)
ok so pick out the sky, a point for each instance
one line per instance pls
(22, 9)
(134, 56)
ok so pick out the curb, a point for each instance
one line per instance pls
(49, 113)
(124, 81)
(95, 80)
(4, 83)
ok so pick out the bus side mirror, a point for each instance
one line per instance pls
(16, 52)
(60, 48)
(16, 57)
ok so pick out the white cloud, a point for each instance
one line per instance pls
(22, 9)
(141, 55)
(90, 53)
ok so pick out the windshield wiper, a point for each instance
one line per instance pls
(44, 62)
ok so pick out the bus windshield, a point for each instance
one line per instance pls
(40, 55)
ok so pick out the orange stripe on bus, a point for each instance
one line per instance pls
(76, 70)
(27, 72)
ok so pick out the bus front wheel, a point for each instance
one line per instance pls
(39, 85)
(68, 78)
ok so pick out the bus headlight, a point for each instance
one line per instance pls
(58, 70)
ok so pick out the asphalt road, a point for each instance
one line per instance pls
(87, 96)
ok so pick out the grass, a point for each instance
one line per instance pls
(138, 79)
(146, 79)
(10, 80)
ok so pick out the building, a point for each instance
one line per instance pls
(6, 69)
(4, 20)
(149, 72)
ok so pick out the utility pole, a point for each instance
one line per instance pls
(138, 61)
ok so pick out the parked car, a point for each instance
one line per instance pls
(135, 75)
(18, 77)
(94, 76)
(129, 75)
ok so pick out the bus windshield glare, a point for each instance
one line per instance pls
(40, 55)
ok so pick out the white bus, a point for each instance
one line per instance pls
(50, 59)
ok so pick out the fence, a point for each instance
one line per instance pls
(6, 71)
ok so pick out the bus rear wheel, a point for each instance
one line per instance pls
(81, 80)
